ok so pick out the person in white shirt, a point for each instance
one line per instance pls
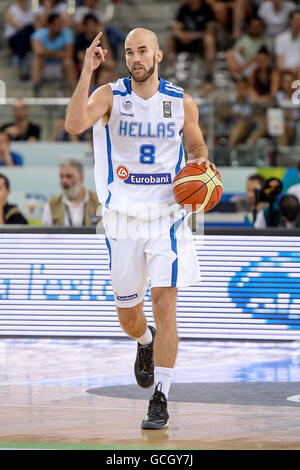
(295, 189)
(75, 206)
(47, 8)
(18, 27)
(98, 9)
(287, 46)
(275, 14)
(284, 99)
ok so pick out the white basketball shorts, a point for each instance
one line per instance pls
(160, 252)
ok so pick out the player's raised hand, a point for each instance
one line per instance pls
(94, 55)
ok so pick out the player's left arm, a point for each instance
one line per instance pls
(195, 145)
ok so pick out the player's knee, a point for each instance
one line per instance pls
(128, 321)
(129, 317)
(163, 295)
(164, 306)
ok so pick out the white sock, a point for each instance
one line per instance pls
(163, 375)
(146, 338)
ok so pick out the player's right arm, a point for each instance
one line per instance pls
(83, 111)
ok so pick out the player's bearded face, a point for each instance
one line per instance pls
(140, 73)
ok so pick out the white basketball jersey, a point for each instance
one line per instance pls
(139, 151)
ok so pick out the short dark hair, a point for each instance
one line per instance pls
(294, 12)
(90, 17)
(6, 181)
(256, 18)
(52, 18)
(289, 207)
(257, 177)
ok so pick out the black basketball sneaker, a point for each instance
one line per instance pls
(157, 417)
(144, 365)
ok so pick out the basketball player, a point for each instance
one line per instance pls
(138, 124)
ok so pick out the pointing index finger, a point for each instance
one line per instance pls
(97, 38)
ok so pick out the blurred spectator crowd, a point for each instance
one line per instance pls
(49, 41)
(259, 41)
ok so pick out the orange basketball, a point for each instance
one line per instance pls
(197, 188)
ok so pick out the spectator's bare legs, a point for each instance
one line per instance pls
(221, 13)
(235, 66)
(38, 64)
(209, 46)
(260, 132)
(232, 64)
(288, 135)
(238, 133)
(209, 43)
(241, 10)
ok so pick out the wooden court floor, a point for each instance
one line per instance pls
(44, 399)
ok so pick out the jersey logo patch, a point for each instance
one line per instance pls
(126, 297)
(158, 178)
(122, 172)
(167, 109)
(127, 105)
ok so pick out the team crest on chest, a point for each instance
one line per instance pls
(127, 105)
(167, 110)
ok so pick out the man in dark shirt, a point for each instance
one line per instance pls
(21, 128)
(9, 213)
(91, 27)
(193, 32)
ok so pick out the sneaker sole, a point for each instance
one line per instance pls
(152, 425)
